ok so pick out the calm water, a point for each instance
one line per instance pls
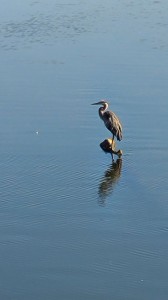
(74, 226)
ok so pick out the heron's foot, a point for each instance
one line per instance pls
(119, 153)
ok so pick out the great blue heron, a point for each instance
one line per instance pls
(111, 121)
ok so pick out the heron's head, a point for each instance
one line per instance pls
(102, 102)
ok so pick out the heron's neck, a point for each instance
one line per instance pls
(102, 110)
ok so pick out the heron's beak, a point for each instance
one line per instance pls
(97, 103)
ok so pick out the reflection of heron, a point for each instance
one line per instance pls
(111, 121)
(109, 180)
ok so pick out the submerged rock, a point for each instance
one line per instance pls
(109, 146)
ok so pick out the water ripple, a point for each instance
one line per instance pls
(46, 28)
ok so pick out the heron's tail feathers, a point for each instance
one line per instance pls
(119, 135)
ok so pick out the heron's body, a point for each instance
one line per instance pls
(110, 120)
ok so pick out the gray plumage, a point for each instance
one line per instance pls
(110, 120)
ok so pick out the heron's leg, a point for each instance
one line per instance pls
(112, 142)
(112, 148)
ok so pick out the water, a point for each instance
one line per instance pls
(74, 226)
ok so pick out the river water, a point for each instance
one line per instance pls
(74, 225)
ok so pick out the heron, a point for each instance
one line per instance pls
(110, 119)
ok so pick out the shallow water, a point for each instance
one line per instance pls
(74, 225)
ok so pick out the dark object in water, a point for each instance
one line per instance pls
(108, 146)
(109, 180)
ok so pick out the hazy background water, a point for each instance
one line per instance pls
(74, 226)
